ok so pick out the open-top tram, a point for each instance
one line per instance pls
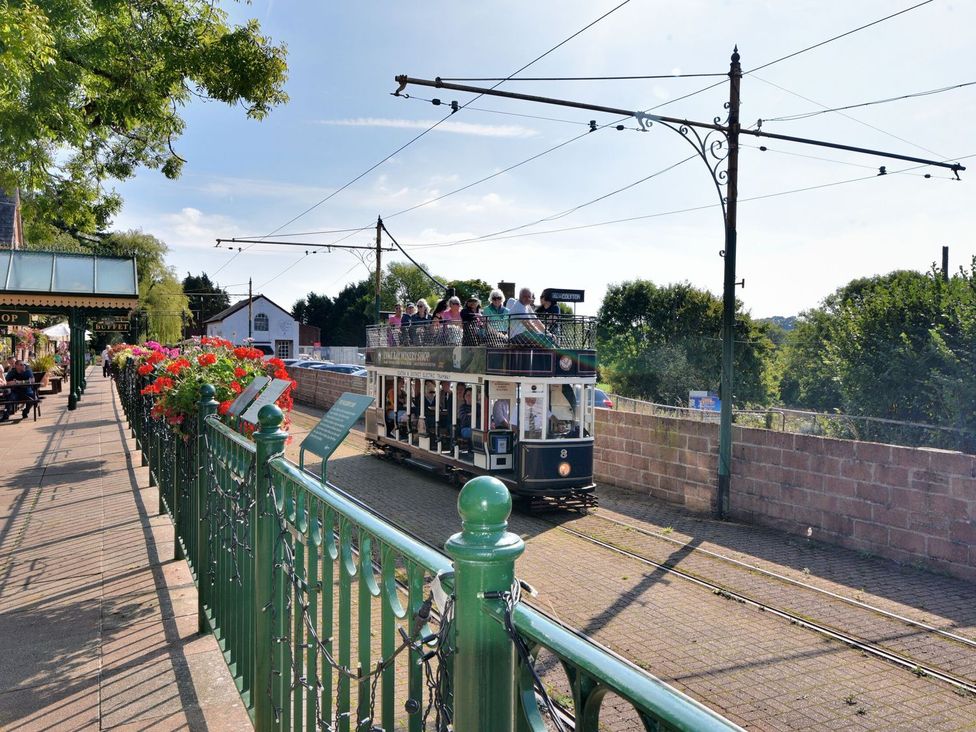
(471, 399)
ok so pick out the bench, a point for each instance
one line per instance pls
(35, 405)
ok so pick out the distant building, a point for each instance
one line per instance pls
(273, 329)
(11, 223)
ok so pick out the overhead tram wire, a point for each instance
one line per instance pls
(435, 125)
(691, 209)
(852, 119)
(814, 113)
(837, 37)
(412, 260)
(585, 78)
(649, 109)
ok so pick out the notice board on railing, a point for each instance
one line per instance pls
(247, 396)
(332, 429)
(269, 396)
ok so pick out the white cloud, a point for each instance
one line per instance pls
(459, 128)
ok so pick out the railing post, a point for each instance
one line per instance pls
(270, 441)
(484, 554)
(207, 406)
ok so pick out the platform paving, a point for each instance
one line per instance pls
(758, 670)
(97, 620)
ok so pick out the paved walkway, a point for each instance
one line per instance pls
(97, 621)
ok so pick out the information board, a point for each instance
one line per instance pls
(247, 396)
(269, 396)
(332, 429)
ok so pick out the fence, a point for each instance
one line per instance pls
(840, 426)
(328, 616)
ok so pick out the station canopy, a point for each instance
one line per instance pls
(57, 280)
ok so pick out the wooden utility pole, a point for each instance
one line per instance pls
(379, 269)
(945, 264)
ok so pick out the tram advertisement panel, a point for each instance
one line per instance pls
(459, 359)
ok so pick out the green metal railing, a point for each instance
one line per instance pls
(330, 618)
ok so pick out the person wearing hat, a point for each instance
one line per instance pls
(472, 320)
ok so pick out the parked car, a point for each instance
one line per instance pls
(602, 401)
(342, 368)
(309, 364)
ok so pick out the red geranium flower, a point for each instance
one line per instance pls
(240, 372)
(206, 359)
(145, 369)
(224, 407)
(235, 387)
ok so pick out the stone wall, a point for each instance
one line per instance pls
(322, 388)
(914, 505)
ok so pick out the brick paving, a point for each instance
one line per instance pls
(97, 621)
(758, 670)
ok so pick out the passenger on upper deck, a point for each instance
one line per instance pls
(474, 332)
(525, 328)
(496, 312)
(547, 306)
(419, 323)
(453, 311)
(397, 315)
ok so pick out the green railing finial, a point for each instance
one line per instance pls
(207, 393)
(270, 418)
(484, 506)
(484, 555)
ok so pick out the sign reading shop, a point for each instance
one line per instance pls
(462, 359)
(14, 317)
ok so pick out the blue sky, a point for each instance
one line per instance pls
(246, 178)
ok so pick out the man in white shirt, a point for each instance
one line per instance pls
(105, 362)
(524, 327)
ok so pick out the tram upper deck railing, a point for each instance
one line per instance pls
(564, 332)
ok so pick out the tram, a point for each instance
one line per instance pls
(480, 398)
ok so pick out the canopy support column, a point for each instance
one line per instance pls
(76, 356)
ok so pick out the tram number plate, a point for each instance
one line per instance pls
(332, 429)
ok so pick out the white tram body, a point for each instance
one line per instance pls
(530, 418)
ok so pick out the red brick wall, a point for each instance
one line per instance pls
(322, 388)
(913, 505)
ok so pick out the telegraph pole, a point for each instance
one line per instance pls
(728, 291)
(945, 264)
(379, 249)
(250, 308)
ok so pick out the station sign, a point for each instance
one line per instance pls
(558, 294)
(14, 317)
(111, 326)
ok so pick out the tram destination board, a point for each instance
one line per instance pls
(470, 360)
(247, 396)
(332, 429)
(14, 317)
(269, 396)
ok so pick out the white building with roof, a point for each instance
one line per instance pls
(272, 328)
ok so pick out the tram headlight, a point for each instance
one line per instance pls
(564, 469)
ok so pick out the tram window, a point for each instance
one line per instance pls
(564, 416)
(501, 400)
(533, 415)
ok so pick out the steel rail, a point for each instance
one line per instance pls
(852, 641)
(795, 582)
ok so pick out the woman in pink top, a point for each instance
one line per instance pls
(453, 311)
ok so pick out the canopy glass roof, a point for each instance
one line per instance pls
(69, 274)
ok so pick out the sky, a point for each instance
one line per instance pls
(810, 219)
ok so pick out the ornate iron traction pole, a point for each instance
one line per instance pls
(716, 144)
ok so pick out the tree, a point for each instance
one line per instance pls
(900, 346)
(90, 92)
(316, 310)
(405, 282)
(205, 298)
(658, 343)
(466, 288)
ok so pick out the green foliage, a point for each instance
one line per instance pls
(900, 346)
(658, 343)
(90, 91)
(205, 298)
(466, 288)
(404, 282)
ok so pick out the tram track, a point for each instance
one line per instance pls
(925, 650)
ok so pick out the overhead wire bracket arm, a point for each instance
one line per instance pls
(643, 117)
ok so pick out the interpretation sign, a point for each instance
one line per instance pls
(247, 396)
(332, 429)
(14, 317)
(269, 396)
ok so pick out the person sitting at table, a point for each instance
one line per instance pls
(21, 383)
